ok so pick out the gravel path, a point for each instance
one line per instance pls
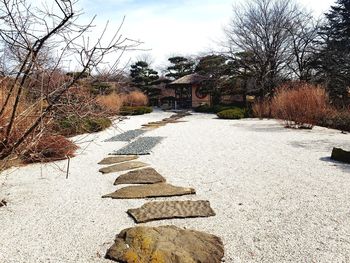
(127, 136)
(142, 146)
(276, 194)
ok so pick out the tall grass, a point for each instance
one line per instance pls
(262, 109)
(301, 107)
(136, 98)
(111, 103)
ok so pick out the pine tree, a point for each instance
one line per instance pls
(143, 76)
(180, 66)
(335, 56)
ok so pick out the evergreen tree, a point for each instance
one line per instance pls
(180, 66)
(143, 77)
(334, 59)
(213, 67)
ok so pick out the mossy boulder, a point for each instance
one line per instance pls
(340, 155)
(166, 244)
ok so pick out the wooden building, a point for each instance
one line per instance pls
(187, 91)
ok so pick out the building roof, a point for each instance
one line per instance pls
(189, 79)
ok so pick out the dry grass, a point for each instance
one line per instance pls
(136, 98)
(111, 103)
(262, 109)
(301, 106)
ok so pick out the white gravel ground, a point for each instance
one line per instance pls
(277, 196)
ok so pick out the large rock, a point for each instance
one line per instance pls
(166, 244)
(142, 176)
(118, 159)
(171, 209)
(122, 167)
(150, 190)
(340, 155)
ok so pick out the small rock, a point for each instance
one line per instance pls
(3, 203)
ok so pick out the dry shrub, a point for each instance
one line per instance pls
(136, 98)
(110, 103)
(262, 109)
(27, 112)
(302, 106)
(49, 148)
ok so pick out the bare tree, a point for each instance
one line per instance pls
(304, 35)
(262, 28)
(29, 33)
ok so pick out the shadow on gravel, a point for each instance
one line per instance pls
(343, 166)
(257, 127)
(320, 145)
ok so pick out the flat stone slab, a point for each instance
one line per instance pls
(150, 190)
(340, 155)
(122, 167)
(142, 176)
(118, 159)
(171, 209)
(141, 146)
(168, 244)
(127, 136)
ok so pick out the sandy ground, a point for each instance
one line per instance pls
(277, 196)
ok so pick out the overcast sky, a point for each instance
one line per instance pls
(174, 27)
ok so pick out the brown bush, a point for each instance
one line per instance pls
(136, 98)
(262, 109)
(27, 112)
(49, 148)
(111, 103)
(301, 106)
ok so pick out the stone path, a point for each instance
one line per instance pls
(165, 243)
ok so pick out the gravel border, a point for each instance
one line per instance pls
(126, 136)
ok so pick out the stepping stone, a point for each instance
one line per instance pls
(142, 146)
(340, 155)
(143, 176)
(118, 159)
(171, 209)
(127, 136)
(168, 244)
(150, 190)
(172, 120)
(157, 123)
(122, 167)
(151, 126)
